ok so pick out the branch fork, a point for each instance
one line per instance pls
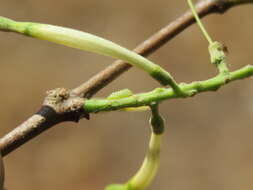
(63, 105)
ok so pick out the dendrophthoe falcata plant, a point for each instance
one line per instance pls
(61, 102)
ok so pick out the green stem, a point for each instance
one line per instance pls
(216, 49)
(160, 94)
(149, 167)
(88, 42)
(193, 9)
(145, 175)
(148, 170)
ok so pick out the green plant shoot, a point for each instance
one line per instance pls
(216, 49)
(120, 94)
(148, 170)
(88, 42)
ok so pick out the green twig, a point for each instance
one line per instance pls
(148, 170)
(88, 42)
(145, 175)
(194, 12)
(160, 94)
(216, 49)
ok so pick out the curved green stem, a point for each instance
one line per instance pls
(148, 169)
(149, 166)
(88, 42)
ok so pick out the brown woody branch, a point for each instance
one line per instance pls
(61, 105)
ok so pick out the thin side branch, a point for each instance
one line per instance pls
(165, 34)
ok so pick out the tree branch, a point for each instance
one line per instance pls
(67, 108)
(59, 106)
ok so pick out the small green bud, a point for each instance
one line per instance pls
(216, 51)
(120, 94)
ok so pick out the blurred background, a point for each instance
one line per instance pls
(208, 140)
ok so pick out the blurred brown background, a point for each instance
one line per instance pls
(208, 141)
